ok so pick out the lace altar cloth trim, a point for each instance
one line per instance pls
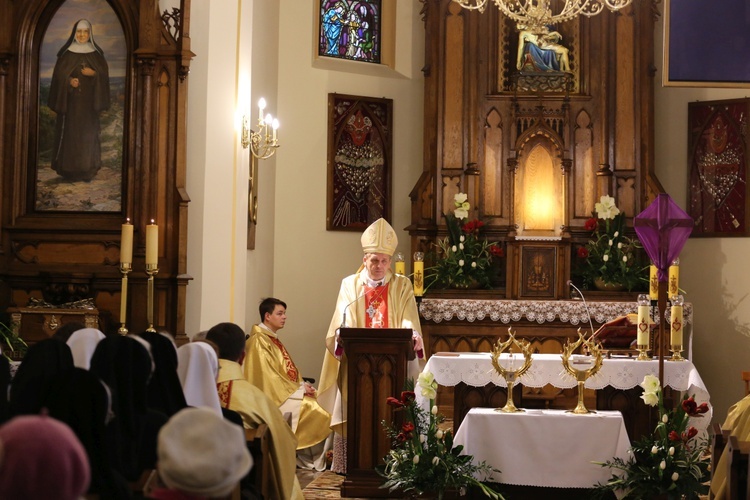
(475, 369)
(539, 311)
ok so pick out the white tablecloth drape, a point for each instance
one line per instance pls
(545, 447)
(475, 369)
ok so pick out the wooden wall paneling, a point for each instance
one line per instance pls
(583, 172)
(41, 246)
(493, 171)
(453, 89)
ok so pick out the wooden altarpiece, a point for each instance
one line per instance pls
(76, 253)
(376, 369)
(488, 127)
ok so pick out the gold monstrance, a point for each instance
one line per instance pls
(511, 375)
(582, 375)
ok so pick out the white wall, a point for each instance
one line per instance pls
(309, 262)
(216, 164)
(713, 271)
(264, 82)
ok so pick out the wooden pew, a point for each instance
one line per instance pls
(258, 442)
(737, 465)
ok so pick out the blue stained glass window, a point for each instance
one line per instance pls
(350, 29)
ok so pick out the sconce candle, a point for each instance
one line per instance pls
(418, 274)
(674, 278)
(653, 283)
(676, 320)
(152, 244)
(126, 243)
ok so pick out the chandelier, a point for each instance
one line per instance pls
(536, 16)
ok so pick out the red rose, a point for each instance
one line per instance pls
(582, 252)
(407, 397)
(497, 251)
(472, 226)
(590, 224)
(692, 432)
(407, 427)
(394, 402)
(702, 408)
(690, 407)
(401, 438)
(673, 436)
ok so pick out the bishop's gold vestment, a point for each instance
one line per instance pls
(402, 313)
(269, 367)
(738, 424)
(237, 394)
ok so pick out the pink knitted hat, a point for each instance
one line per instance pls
(41, 458)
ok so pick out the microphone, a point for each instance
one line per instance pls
(343, 315)
(588, 313)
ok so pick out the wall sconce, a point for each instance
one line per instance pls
(263, 142)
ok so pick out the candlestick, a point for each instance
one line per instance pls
(676, 328)
(653, 280)
(674, 279)
(125, 268)
(644, 327)
(418, 274)
(126, 243)
(151, 270)
(152, 244)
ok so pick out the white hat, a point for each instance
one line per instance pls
(201, 453)
(379, 237)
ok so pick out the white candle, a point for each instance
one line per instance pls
(126, 243)
(674, 278)
(676, 329)
(152, 244)
(643, 327)
(653, 280)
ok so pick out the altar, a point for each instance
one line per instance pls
(473, 324)
(625, 374)
(521, 445)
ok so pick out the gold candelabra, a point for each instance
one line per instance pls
(151, 270)
(582, 375)
(125, 268)
(264, 141)
(511, 375)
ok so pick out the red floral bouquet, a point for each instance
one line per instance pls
(671, 462)
(464, 258)
(422, 457)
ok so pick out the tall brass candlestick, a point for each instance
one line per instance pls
(125, 268)
(152, 270)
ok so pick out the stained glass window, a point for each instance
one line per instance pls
(350, 29)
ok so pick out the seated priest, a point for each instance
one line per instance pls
(373, 297)
(269, 367)
(255, 408)
(738, 424)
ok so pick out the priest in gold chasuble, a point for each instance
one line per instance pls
(269, 367)
(373, 297)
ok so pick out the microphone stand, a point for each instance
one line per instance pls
(585, 305)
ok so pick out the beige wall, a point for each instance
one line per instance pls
(309, 262)
(713, 271)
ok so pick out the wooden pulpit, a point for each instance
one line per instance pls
(377, 368)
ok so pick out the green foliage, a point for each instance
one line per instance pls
(15, 343)
(671, 462)
(463, 259)
(423, 457)
(611, 255)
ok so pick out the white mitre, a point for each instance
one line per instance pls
(379, 237)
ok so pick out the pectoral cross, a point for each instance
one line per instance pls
(371, 311)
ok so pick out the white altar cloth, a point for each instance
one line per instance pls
(475, 369)
(545, 447)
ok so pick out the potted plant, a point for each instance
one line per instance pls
(610, 260)
(423, 460)
(463, 259)
(671, 463)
